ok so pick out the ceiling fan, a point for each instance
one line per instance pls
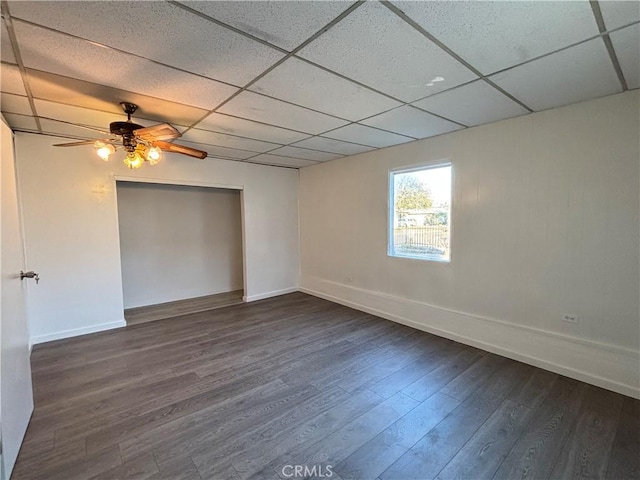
(142, 144)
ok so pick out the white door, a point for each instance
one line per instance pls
(16, 396)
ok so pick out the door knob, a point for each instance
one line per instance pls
(29, 274)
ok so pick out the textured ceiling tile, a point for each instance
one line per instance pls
(333, 146)
(264, 109)
(411, 121)
(283, 23)
(367, 136)
(298, 82)
(159, 31)
(11, 80)
(53, 52)
(626, 43)
(246, 128)
(71, 131)
(492, 35)
(6, 50)
(304, 153)
(579, 73)
(472, 104)
(47, 86)
(379, 49)
(282, 161)
(15, 104)
(224, 140)
(84, 116)
(619, 13)
(20, 122)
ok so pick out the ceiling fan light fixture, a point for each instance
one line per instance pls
(154, 155)
(104, 150)
(133, 160)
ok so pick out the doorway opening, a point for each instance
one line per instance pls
(181, 249)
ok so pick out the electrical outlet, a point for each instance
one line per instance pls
(570, 318)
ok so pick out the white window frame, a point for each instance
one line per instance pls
(391, 209)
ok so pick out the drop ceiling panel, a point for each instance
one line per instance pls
(252, 106)
(158, 31)
(410, 121)
(20, 122)
(281, 161)
(379, 49)
(472, 104)
(496, 35)
(6, 50)
(332, 146)
(54, 52)
(246, 128)
(15, 104)
(626, 43)
(619, 13)
(67, 130)
(298, 82)
(573, 75)
(367, 136)
(283, 23)
(230, 141)
(11, 80)
(305, 154)
(219, 152)
(85, 116)
(48, 86)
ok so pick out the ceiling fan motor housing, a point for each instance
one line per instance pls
(125, 130)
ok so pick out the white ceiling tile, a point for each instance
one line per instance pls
(333, 146)
(65, 129)
(219, 152)
(379, 49)
(246, 128)
(492, 35)
(411, 121)
(54, 52)
(573, 75)
(626, 43)
(11, 80)
(224, 140)
(299, 82)
(283, 23)
(617, 13)
(252, 106)
(472, 104)
(15, 104)
(367, 136)
(6, 50)
(282, 161)
(81, 116)
(159, 31)
(47, 86)
(304, 153)
(20, 122)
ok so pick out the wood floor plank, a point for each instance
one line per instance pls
(241, 391)
(586, 452)
(375, 456)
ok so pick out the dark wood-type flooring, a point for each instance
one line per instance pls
(253, 390)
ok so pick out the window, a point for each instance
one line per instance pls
(420, 216)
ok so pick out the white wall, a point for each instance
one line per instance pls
(545, 222)
(71, 229)
(178, 242)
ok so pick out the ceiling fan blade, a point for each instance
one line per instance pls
(172, 147)
(162, 131)
(85, 142)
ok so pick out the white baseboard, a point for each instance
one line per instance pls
(275, 293)
(77, 331)
(604, 365)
